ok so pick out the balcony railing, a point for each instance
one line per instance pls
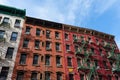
(5, 24)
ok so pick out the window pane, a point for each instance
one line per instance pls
(9, 53)
(23, 59)
(4, 73)
(59, 76)
(17, 23)
(20, 76)
(37, 44)
(2, 34)
(6, 20)
(47, 76)
(69, 61)
(47, 60)
(25, 43)
(14, 36)
(38, 32)
(58, 60)
(27, 30)
(71, 77)
(35, 59)
(34, 76)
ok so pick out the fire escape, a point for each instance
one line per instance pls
(86, 54)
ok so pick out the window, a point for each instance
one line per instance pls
(35, 59)
(100, 51)
(58, 60)
(57, 46)
(37, 42)
(71, 77)
(78, 61)
(6, 20)
(34, 76)
(27, 30)
(48, 45)
(96, 63)
(92, 77)
(59, 76)
(2, 33)
(69, 61)
(66, 36)
(57, 34)
(9, 53)
(25, 43)
(14, 36)
(23, 58)
(48, 34)
(47, 76)
(20, 75)
(116, 77)
(81, 76)
(38, 32)
(105, 66)
(67, 47)
(40, 76)
(109, 77)
(4, 73)
(100, 77)
(47, 60)
(17, 23)
(76, 48)
(74, 36)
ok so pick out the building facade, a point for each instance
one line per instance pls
(40, 54)
(90, 55)
(36, 49)
(11, 23)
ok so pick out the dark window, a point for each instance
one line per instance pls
(57, 35)
(34, 76)
(20, 76)
(42, 58)
(69, 61)
(4, 73)
(38, 32)
(109, 77)
(92, 49)
(47, 76)
(100, 77)
(105, 66)
(96, 63)
(17, 23)
(57, 46)
(37, 42)
(116, 77)
(78, 61)
(47, 60)
(40, 76)
(6, 20)
(48, 45)
(9, 53)
(81, 76)
(25, 43)
(66, 36)
(76, 48)
(59, 76)
(58, 60)
(27, 30)
(74, 36)
(14, 36)
(71, 77)
(2, 33)
(47, 34)
(35, 59)
(67, 47)
(23, 59)
(92, 77)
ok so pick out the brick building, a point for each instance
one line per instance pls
(40, 53)
(54, 51)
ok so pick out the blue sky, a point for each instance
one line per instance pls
(101, 15)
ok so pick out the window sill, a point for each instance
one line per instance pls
(22, 64)
(36, 65)
(37, 49)
(48, 49)
(59, 66)
(13, 41)
(70, 66)
(48, 66)
(57, 38)
(58, 51)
